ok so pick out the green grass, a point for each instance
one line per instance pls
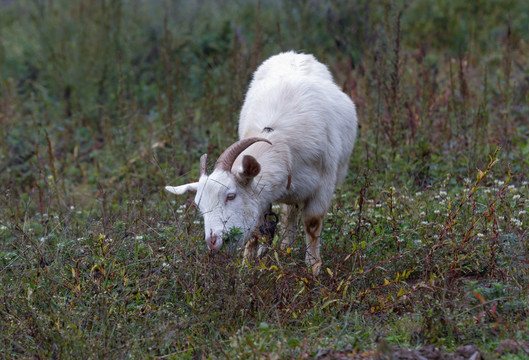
(103, 103)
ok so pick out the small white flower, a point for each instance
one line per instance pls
(139, 237)
(437, 211)
(425, 223)
(442, 193)
(516, 197)
(522, 212)
(480, 235)
(516, 222)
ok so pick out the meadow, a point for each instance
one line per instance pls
(103, 103)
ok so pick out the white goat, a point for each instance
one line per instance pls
(297, 130)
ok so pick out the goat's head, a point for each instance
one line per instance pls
(227, 200)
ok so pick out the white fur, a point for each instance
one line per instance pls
(313, 132)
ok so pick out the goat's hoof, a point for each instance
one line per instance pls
(316, 268)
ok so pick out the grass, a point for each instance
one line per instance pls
(103, 103)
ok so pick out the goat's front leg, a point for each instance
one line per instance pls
(250, 250)
(289, 224)
(313, 226)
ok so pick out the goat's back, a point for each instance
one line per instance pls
(293, 100)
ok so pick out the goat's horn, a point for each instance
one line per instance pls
(226, 160)
(203, 161)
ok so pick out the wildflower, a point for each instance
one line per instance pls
(442, 193)
(437, 211)
(516, 197)
(425, 223)
(480, 235)
(516, 222)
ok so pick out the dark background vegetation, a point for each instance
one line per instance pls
(102, 103)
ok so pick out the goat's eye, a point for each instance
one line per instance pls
(230, 196)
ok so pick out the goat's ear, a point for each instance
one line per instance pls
(182, 189)
(250, 169)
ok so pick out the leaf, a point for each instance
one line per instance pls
(327, 303)
(480, 297)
